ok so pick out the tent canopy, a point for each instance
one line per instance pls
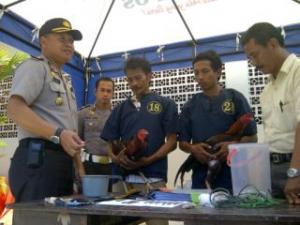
(148, 28)
(134, 24)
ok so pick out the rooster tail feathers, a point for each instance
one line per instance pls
(185, 167)
(180, 170)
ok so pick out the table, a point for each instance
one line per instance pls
(37, 213)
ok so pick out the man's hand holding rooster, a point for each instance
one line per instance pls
(222, 150)
(199, 151)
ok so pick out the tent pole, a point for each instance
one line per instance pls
(101, 28)
(3, 7)
(87, 69)
(186, 26)
(87, 75)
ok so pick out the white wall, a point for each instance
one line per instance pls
(237, 77)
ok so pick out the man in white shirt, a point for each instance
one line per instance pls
(264, 46)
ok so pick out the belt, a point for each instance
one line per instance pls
(278, 158)
(88, 157)
(47, 144)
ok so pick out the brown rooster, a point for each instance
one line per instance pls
(234, 133)
(134, 147)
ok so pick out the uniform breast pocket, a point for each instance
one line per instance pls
(286, 106)
(288, 115)
(57, 95)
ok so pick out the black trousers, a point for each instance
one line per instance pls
(53, 178)
(279, 178)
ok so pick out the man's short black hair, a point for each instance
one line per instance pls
(105, 79)
(134, 63)
(212, 56)
(262, 33)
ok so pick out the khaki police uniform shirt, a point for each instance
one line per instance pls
(41, 87)
(281, 106)
(91, 122)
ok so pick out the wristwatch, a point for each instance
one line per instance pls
(56, 137)
(293, 172)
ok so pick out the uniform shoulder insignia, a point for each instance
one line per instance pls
(85, 106)
(37, 58)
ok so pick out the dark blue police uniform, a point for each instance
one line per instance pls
(203, 117)
(157, 114)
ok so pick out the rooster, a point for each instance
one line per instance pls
(234, 133)
(134, 147)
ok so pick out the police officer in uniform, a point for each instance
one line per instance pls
(42, 103)
(91, 120)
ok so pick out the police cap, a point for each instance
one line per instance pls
(59, 25)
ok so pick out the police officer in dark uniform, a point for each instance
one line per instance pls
(210, 113)
(42, 103)
(91, 120)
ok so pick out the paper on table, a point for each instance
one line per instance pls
(148, 203)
